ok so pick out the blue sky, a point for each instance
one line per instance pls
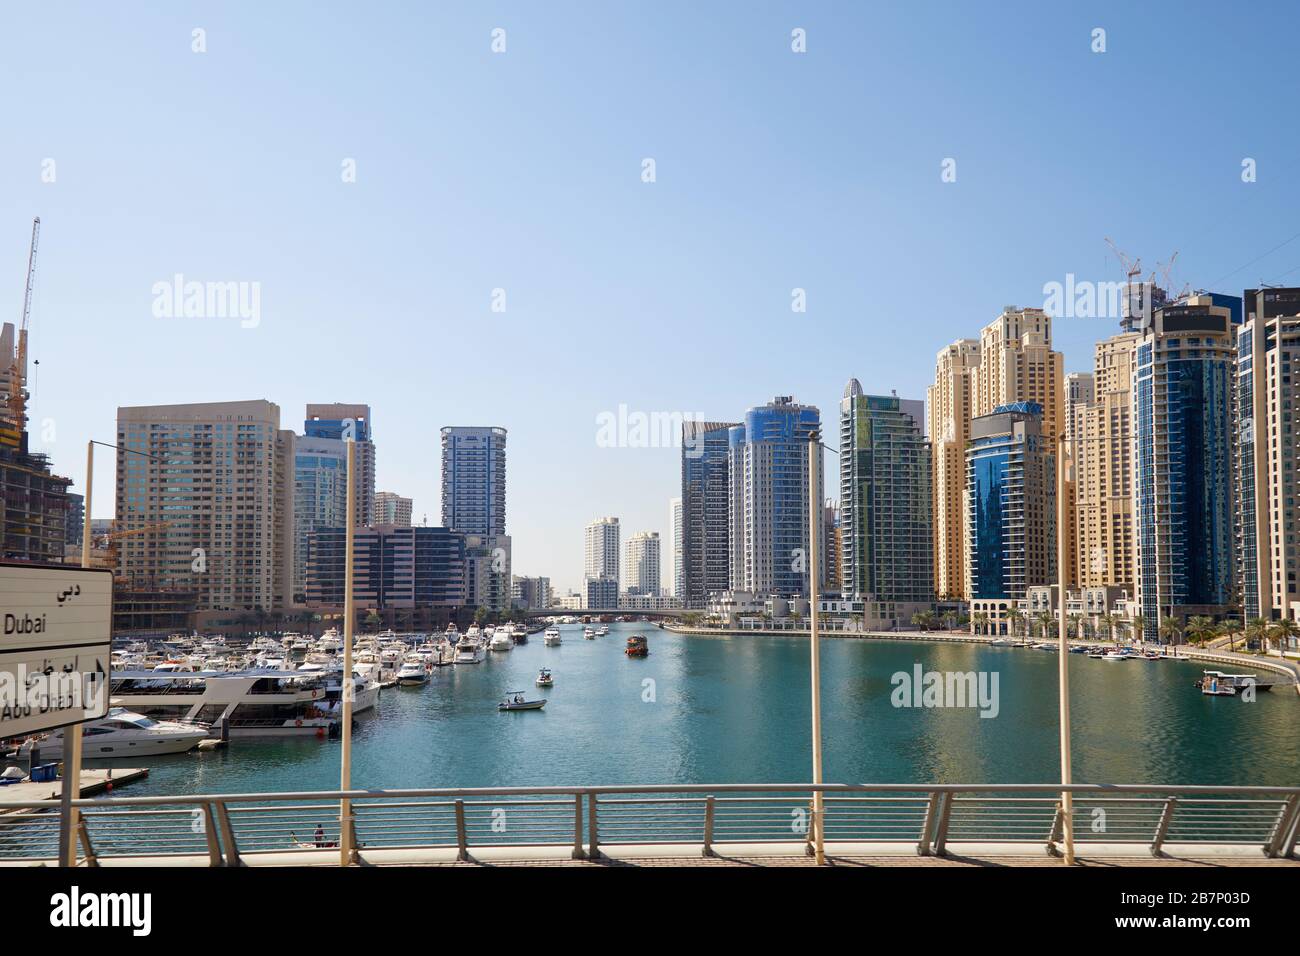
(522, 171)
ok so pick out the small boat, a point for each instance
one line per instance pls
(1115, 656)
(588, 634)
(552, 638)
(1219, 684)
(515, 701)
(123, 733)
(544, 678)
(603, 630)
(999, 642)
(413, 672)
(637, 646)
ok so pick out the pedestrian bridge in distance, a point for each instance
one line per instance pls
(670, 613)
(744, 824)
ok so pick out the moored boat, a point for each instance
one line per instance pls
(637, 646)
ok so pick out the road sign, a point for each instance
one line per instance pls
(55, 642)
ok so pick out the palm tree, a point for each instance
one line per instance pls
(1140, 625)
(1045, 622)
(1256, 628)
(1171, 629)
(1014, 617)
(1286, 631)
(1121, 630)
(1105, 625)
(1198, 628)
(1072, 626)
(981, 622)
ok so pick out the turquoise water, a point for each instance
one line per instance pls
(736, 710)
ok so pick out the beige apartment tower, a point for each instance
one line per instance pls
(211, 506)
(1017, 364)
(1105, 546)
(948, 405)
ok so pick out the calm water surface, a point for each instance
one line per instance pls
(736, 710)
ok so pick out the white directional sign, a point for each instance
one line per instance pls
(55, 640)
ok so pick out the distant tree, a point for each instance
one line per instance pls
(1171, 629)
(1286, 631)
(1015, 617)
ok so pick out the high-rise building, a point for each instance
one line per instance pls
(320, 496)
(641, 563)
(675, 523)
(600, 549)
(393, 567)
(1101, 449)
(530, 593)
(340, 421)
(600, 592)
(1011, 521)
(33, 500)
(832, 547)
(1268, 446)
(887, 556)
(474, 479)
(76, 520)
(392, 508)
(1079, 390)
(705, 557)
(487, 571)
(770, 538)
(211, 495)
(1017, 364)
(1183, 372)
(949, 409)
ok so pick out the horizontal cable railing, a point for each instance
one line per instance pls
(227, 828)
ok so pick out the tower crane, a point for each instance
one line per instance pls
(17, 398)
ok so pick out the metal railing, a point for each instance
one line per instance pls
(227, 829)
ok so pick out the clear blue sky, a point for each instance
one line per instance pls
(522, 171)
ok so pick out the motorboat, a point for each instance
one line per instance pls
(123, 733)
(515, 701)
(602, 630)
(501, 639)
(544, 678)
(552, 638)
(637, 646)
(1219, 684)
(413, 672)
(1115, 656)
(588, 634)
(469, 650)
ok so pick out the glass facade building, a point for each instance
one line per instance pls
(474, 479)
(704, 563)
(320, 496)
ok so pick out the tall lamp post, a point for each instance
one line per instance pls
(814, 569)
(1063, 657)
(346, 849)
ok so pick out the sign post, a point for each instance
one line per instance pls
(55, 644)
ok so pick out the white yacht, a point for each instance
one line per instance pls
(413, 672)
(588, 634)
(330, 642)
(602, 630)
(469, 650)
(123, 733)
(552, 637)
(502, 639)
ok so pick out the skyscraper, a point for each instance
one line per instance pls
(1268, 445)
(887, 557)
(320, 496)
(675, 523)
(1011, 520)
(770, 537)
(392, 508)
(1102, 451)
(1017, 364)
(340, 421)
(705, 559)
(474, 479)
(216, 495)
(641, 563)
(1182, 410)
(950, 407)
(600, 551)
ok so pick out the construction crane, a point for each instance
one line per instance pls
(1132, 267)
(17, 398)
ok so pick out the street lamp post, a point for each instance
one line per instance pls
(1063, 662)
(814, 546)
(347, 686)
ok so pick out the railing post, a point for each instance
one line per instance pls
(941, 829)
(593, 841)
(1162, 828)
(227, 834)
(931, 817)
(578, 853)
(1058, 826)
(84, 835)
(1286, 823)
(708, 825)
(462, 838)
(210, 831)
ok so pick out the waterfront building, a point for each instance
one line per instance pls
(530, 593)
(600, 549)
(1017, 364)
(392, 508)
(1011, 520)
(1183, 474)
(474, 479)
(770, 539)
(487, 571)
(393, 567)
(1267, 448)
(320, 496)
(1104, 541)
(705, 564)
(340, 421)
(641, 564)
(648, 602)
(832, 546)
(885, 502)
(949, 409)
(600, 592)
(1080, 391)
(211, 497)
(676, 571)
(75, 524)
